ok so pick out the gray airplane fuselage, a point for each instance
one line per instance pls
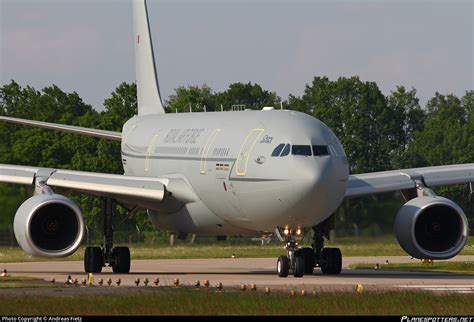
(226, 158)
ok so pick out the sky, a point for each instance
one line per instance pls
(87, 46)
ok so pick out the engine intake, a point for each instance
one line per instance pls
(431, 228)
(49, 226)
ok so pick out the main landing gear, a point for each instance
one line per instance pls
(96, 257)
(302, 261)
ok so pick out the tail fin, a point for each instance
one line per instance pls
(148, 90)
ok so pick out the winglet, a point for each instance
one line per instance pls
(148, 90)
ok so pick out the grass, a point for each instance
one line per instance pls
(452, 267)
(382, 246)
(23, 282)
(186, 301)
(18, 279)
(26, 285)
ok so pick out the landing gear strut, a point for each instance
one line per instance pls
(328, 259)
(116, 257)
(303, 260)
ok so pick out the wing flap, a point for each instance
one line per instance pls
(102, 134)
(124, 187)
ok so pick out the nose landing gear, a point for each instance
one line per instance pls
(303, 260)
(295, 260)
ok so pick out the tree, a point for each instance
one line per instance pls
(445, 135)
(410, 118)
(253, 96)
(198, 98)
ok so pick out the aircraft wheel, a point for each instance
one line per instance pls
(299, 268)
(332, 261)
(283, 266)
(93, 259)
(122, 260)
(309, 260)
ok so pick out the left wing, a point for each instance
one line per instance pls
(399, 180)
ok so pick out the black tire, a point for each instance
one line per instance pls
(332, 261)
(283, 266)
(299, 268)
(122, 260)
(309, 260)
(93, 259)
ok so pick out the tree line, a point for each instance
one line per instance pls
(378, 133)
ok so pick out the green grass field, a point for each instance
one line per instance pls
(22, 282)
(380, 246)
(186, 301)
(453, 267)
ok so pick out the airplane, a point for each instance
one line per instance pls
(247, 173)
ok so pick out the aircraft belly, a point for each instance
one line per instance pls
(271, 204)
(196, 218)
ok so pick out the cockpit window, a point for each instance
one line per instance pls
(301, 150)
(320, 150)
(277, 150)
(286, 151)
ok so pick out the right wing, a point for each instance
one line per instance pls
(137, 189)
(103, 134)
(166, 194)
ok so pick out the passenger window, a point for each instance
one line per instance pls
(320, 150)
(277, 150)
(286, 151)
(301, 150)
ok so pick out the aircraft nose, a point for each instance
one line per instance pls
(318, 185)
(309, 177)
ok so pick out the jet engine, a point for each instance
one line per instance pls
(431, 228)
(49, 225)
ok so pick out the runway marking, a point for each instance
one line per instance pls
(465, 289)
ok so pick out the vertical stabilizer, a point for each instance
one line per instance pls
(148, 90)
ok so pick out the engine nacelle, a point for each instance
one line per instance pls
(49, 226)
(431, 228)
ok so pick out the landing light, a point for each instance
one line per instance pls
(298, 231)
(286, 231)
